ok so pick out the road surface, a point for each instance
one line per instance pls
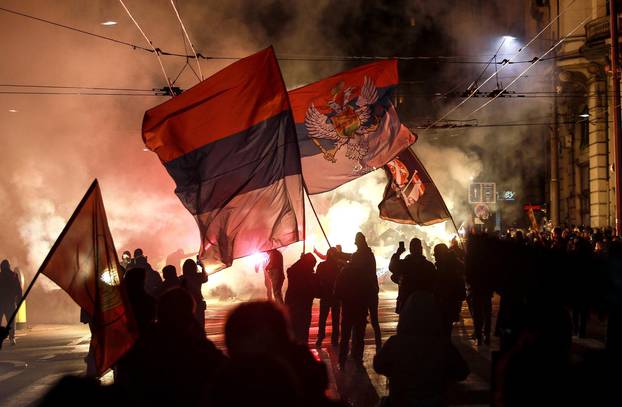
(44, 353)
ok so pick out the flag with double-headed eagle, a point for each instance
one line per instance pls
(410, 196)
(347, 125)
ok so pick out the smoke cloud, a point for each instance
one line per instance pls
(54, 146)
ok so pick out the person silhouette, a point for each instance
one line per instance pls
(327, 273)
(192, 281)
(414, 272)
(420, 361)
(259, 332)
(301, 290)
(10, 296)
(355, 287)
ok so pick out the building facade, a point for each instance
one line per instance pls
(582, 181)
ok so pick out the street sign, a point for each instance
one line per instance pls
(507, 196)
(482, 192)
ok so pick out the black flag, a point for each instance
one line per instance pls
(410, 196)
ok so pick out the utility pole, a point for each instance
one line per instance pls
(554, 146)
(613, 28)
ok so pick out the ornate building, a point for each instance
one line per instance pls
(582, 184)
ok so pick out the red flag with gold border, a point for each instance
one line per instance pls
(84, 263)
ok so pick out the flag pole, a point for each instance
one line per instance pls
(304, 219)
(304, 184)
(52, 250)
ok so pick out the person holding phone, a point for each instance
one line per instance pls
(413, 273)
(192, 281)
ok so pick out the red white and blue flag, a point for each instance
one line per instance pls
(229, 143)
(347, 125)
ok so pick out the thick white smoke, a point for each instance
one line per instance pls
(54, 146)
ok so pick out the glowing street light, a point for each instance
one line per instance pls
(108, 23)
(508, 38)
(584, 115)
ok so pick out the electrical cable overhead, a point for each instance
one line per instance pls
(506, 62)
(155, 51)
(447, 59)
(103, 37)
(531, 66)
(2, 92)
(488, 125)
(21, 85)
(188, 38)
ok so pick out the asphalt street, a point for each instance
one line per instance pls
(44, 353)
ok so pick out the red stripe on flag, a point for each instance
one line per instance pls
(384, 74)
(222, 105)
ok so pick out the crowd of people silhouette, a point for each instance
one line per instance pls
(549, 286)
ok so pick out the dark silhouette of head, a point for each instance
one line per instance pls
(518, 236)
(308, 260)
(420, 316)
(441, 251)
(169, 272)
(5, 266)
(360, 241)
(138, 253)
(416, 249)
(250, 381)
(258, 327)
(331, 254)
(189, 267)
(176, 308)
(135, 280)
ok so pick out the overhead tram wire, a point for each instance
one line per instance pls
(188, 38)
(3, 92)
(531, 66)
(103, 37)
(155, 51)
(506, 63)
(448, 59)
(489, 125)
(21, 85)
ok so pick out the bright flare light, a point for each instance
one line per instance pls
(508, 38)
(110, 277)
(345, 219)
(257, 260)
(108, 23)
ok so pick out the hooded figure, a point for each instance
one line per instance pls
(302, 288)
(420, 360)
